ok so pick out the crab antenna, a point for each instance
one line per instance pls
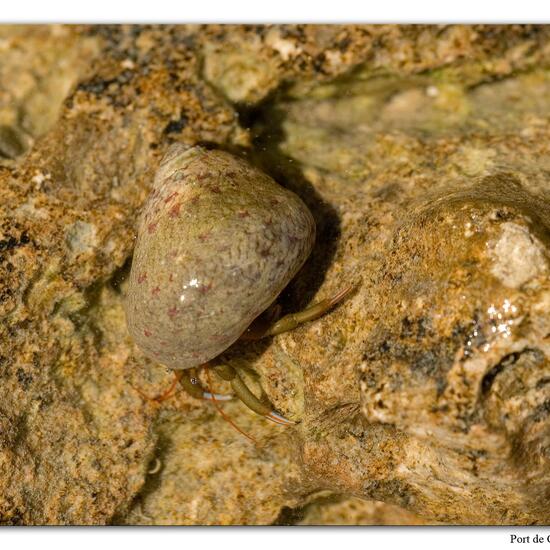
(222, 414)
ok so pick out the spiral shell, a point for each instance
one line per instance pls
(217, 242)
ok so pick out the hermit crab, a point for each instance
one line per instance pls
(218, 240)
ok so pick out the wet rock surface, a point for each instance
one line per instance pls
(38, 66)
(422, 153)
(338, 510)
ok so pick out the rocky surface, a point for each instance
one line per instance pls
(38, 66)
(422, 153)
(334, 510)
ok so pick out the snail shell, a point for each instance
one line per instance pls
(217, 242)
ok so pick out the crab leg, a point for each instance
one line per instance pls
(262, 324)
(191, 384)
(248, 398)
(292, 320)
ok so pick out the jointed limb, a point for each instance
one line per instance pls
(243, 393)
(264, 326)
(191, 384)
(292, 320)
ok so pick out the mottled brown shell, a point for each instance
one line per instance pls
(217, 242)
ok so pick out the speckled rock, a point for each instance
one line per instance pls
(70, 416)
(38, 66)
(459, 361)
(334, 510)
(431, 393)
(422, 153)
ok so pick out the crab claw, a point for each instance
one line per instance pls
(279, 419)
(216, 396)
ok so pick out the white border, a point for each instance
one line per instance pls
(232, 11)
(277, 11)
(234, 538)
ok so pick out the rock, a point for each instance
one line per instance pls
(458, 362)
(453, 265)
(10, 142)
(331, 510)
(517, 256)
(72, 415)
(39, 64)
(422, 153)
